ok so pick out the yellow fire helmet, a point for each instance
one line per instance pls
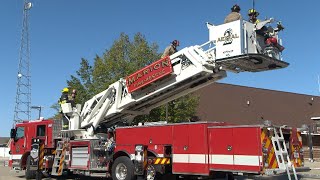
(253, 12)
(65, 90)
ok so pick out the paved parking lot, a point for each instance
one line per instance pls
(6, 174)
(314, 173)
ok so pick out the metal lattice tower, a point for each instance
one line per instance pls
(23, 96)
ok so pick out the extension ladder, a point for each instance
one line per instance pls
(58, 162)
(281, 152)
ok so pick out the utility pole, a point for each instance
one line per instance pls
(23, 95)
(319, 83)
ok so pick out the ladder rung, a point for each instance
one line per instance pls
(283, 165)
(60, 151)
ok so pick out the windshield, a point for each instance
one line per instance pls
(19, 132)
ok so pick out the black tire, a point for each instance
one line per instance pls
(123, 163)
(30, 174)
(230, 176)
(39, 175)
(167, 177)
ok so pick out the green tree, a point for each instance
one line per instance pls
(123, 58)
(182, 109)
(83, 82)
(56, 107)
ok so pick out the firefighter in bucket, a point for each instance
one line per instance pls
(269, 35)
(66, 98)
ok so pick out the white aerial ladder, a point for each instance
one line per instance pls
(234, 47)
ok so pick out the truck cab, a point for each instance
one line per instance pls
(22, 135)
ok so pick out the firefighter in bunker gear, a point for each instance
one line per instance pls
(64, 98)
(253, 16)
(110, 144)
(266, 32)
(234, 15)
(171, 49)
(72, 98)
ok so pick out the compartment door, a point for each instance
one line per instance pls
(180, 151)
(221, 148)
(247, 149)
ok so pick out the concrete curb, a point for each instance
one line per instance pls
(312, 176)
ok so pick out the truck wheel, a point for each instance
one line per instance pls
(122, 169)
(39, 175)
(30, 174)
(230, 176)
(167, 177)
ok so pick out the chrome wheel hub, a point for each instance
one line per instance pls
(121, 171)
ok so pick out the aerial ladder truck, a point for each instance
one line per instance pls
(231, 47)
(154, 151)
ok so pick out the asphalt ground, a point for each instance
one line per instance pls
(308, 174)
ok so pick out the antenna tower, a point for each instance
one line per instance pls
(23, 96)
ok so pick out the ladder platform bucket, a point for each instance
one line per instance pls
(251, 63)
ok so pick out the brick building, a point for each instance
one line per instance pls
(4, 141)
(246, 105)
(4, 148)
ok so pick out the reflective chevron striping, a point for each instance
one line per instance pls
(295, 148)
(269, 156)
(161, 161)
(41, 157)
(61, 163)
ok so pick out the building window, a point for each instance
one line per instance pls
(41, 130)
(19, 132)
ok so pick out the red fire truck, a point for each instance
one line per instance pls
(99, 142)
(198, 148)
(22, 136)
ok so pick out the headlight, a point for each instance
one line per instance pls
(34, 153)
(139, 153)
(139, 148)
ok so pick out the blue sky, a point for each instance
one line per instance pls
(62, 32)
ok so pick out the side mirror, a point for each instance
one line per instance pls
(13, 133)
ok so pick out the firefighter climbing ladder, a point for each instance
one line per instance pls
(58, 163)
(281, 152)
